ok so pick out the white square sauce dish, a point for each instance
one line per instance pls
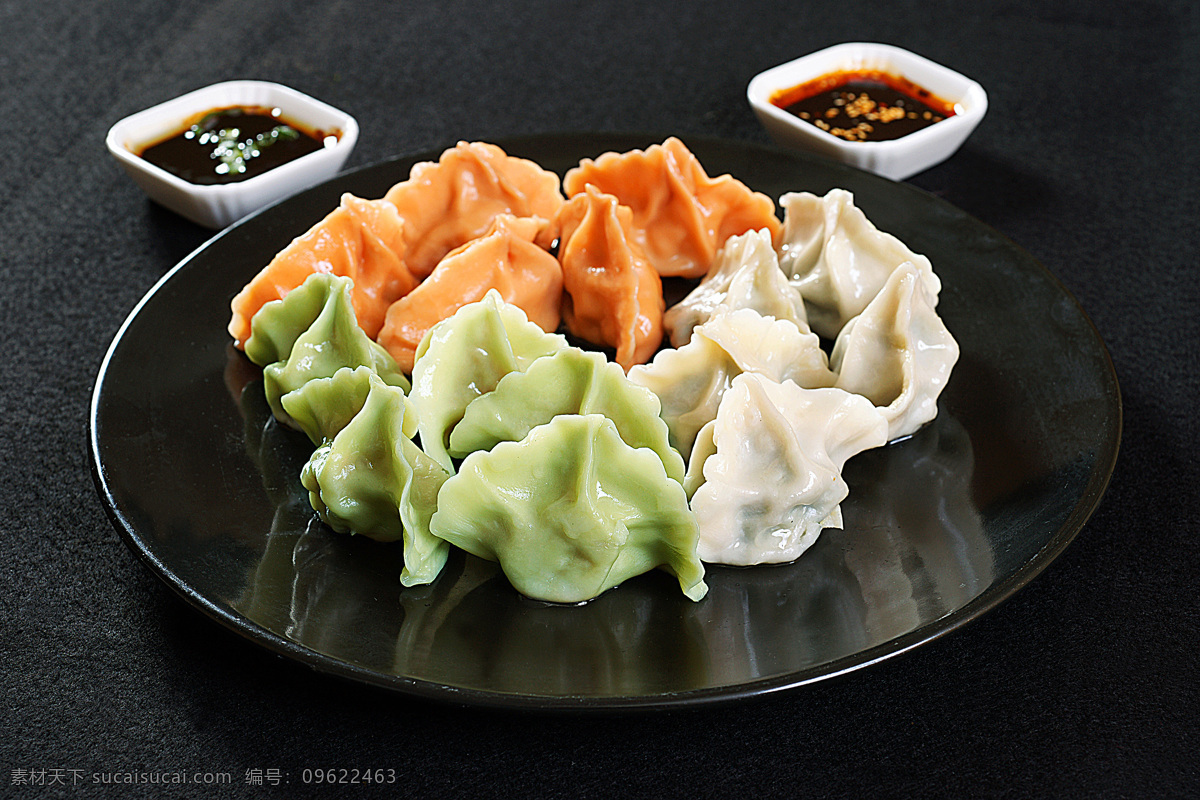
(217, 154)
(913, 113)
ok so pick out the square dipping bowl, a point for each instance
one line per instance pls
(219, 205)
(896, 158)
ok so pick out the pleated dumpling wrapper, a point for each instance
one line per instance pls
(613, 296)
(838, 259)
(448, 202)
(371, 479)
(744, 274)
(310, 334)
(323, 406)
(465, 356)
(773, 471)
(570, 381)
(681, 216)
(570, 511)
(505, 259)
(898, 353)
(361, 239)
(691, 380)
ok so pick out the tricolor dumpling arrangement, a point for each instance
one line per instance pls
(418, 340)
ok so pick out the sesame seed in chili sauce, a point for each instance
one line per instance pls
(864, 105)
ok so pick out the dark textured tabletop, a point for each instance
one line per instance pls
(1083, 684)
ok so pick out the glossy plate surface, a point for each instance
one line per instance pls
(203, 485)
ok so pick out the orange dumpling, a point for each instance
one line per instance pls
(681, 216)
(361, 240)
(613, 296)
(505, 259)
(447, 203)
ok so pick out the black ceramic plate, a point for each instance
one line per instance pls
(938, 529)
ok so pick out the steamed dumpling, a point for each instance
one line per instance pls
(898, 353)
(372, 480)
(689, 383)
(838, 259)
(505, 259)
(704, 446)
(465, 356)
(323, 406)
(570, 381)
(361, 239)
(772, 347)
(312, 333)
(680, 215)
(613, 295)
(447, 203)
(745, 274)
(691, 380)
(773, 474)
(571, 511)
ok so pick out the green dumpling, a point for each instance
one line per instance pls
(312, 333)
(465, 356)
(276, 326)
(570, 381)
(571, 511)
(372, 479)
(323, 406)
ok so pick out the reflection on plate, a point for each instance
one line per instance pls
(202, 483)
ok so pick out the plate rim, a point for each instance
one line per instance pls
(1075, 520)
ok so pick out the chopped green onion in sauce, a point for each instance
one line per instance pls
(234, 144)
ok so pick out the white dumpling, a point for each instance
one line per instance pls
(745, 274)
(773, 480)
(690, 380)
(897, 353)
(772, 347)
(837, 259)
(704, 446)
(689, 383)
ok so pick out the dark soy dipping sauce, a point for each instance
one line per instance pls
(233, 144)
(864, 105)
